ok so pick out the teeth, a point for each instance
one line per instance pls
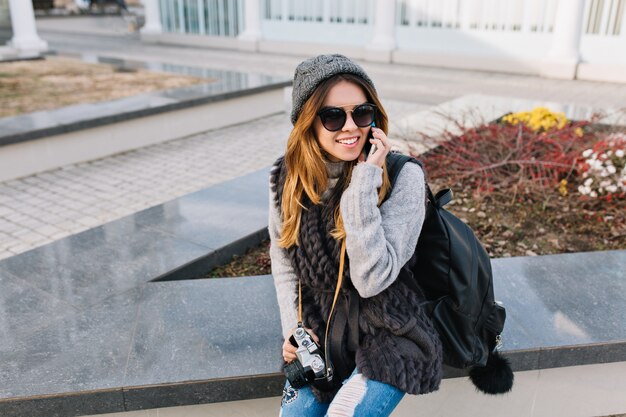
(348, 141)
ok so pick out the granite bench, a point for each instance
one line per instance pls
(108, 321)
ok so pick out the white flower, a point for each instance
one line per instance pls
(584, 190)
(611, 169)
(588, 182)
(593, 194)
(611, 188)
(619, 153)
(587, 153)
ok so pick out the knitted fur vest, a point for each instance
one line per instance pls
(397, 343)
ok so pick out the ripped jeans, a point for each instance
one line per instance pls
(358, 396)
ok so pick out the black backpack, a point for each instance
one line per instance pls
(454, 271)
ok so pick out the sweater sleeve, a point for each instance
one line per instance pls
(379, 241)
(285, 279)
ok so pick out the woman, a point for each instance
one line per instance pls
(328, 195)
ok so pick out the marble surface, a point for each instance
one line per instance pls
(86, 268)
(211, 217)
(220, 85)
(556, 300)
(85, 327)
(229, 329)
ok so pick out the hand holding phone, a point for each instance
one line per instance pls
(375, 154)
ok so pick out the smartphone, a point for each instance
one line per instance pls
(368, 148)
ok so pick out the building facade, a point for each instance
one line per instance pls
(555, 38)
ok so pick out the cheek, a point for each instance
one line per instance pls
(365, 131)
(324, 138)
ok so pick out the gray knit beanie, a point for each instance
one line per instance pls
(310, 73)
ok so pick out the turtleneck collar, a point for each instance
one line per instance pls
(334, 169)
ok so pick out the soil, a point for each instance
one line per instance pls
(255, 261)
(539, 224)
(34, 85)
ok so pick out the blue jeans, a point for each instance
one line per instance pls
(358, 396)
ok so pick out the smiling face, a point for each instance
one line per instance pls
(347, 143)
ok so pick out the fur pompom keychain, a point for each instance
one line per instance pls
(496, 377)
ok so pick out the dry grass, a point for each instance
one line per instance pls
(255, 261)
(28, 86)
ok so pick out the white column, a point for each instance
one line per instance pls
(152, 12)
(564, 53)
(25, 38)
(384, 39)
(250, 37)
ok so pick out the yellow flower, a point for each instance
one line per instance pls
(579, 132)
(540, 118)
(563, 187)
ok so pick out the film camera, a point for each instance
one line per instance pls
(309, 365)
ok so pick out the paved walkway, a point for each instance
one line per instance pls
(41, 208)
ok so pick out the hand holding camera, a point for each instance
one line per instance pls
(289, 350)
(308, 364)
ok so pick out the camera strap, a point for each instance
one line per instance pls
(329, 370)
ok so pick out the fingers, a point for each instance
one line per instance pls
(380, 139)
(382, 147)
(289, 351)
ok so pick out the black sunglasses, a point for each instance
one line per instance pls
(333, 118)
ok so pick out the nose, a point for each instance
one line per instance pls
(349, 124)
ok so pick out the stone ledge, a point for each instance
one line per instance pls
(29, 143)
(228, 85)
(204, 341)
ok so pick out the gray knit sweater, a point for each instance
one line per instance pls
(379, 241)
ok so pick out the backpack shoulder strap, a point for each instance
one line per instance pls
(395, 162)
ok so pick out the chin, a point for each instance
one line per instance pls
(345, 155)
(348, 155)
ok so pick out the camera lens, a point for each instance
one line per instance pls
(299, 332)
(305, 343)
(296, 375)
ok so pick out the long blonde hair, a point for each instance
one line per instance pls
(306, 171)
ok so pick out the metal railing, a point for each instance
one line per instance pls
(202, 17)
(349, 12)
(487, 15)
(605, 17)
